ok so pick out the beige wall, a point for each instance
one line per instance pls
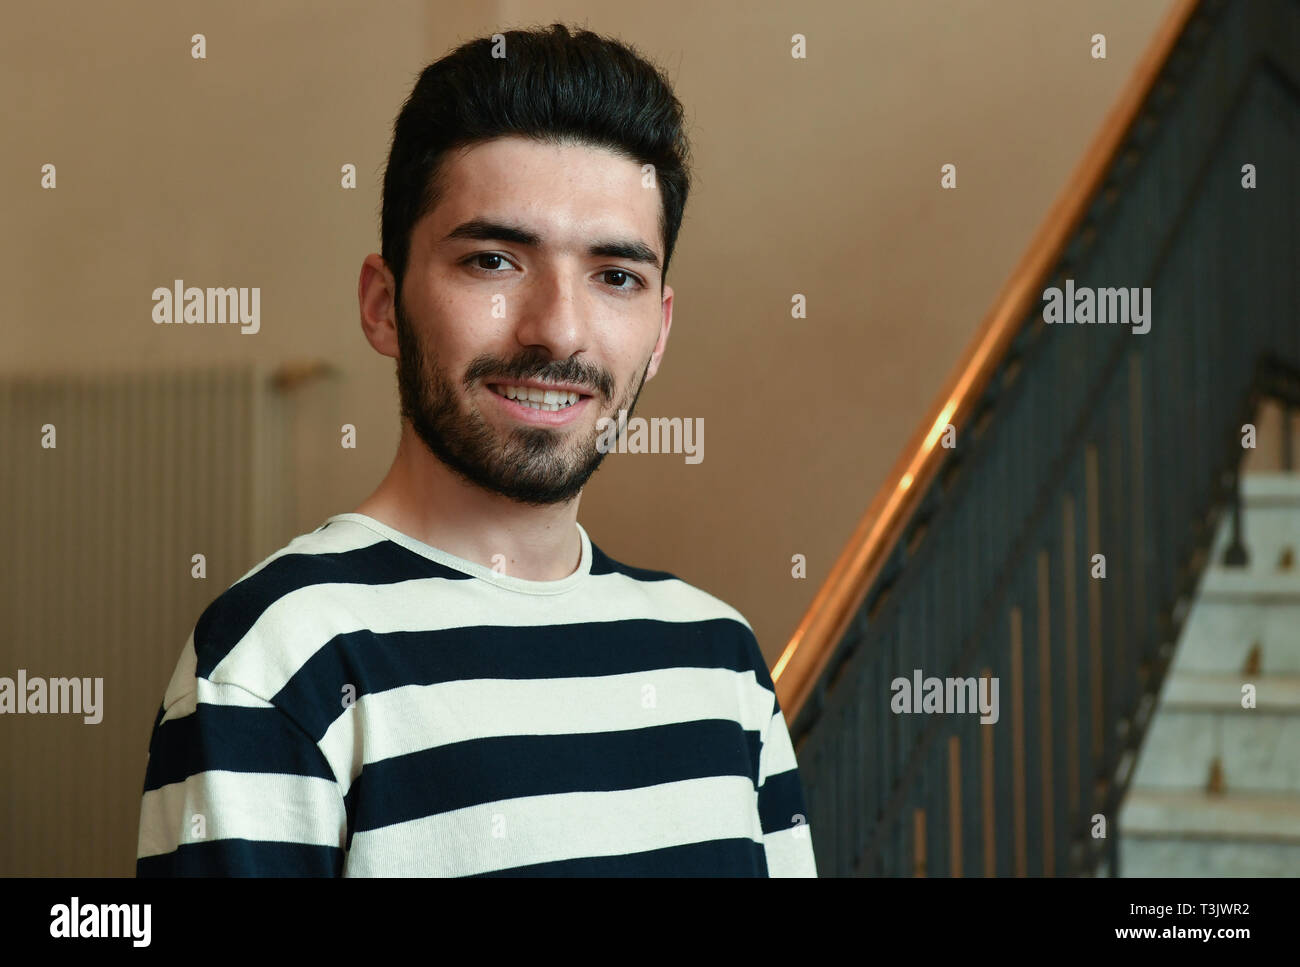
(816, 176)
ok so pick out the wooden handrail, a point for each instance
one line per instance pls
(796, 672)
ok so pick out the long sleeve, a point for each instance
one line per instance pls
(234, 787)
(787, 835)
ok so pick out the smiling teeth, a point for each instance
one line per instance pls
(549, 400)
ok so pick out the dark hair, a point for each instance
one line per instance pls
(552, 86)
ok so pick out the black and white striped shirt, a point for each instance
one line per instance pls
(364, 704)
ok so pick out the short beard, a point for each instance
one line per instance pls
(530, 465)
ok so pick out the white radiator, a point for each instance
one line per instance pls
(99, 533)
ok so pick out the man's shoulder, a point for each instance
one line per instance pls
(257, 631)
(667, 584)
(673, 599)
(326, 556)
(260, 632)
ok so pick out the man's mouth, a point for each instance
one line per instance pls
(548, 400)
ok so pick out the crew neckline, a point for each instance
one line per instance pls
(473, 568)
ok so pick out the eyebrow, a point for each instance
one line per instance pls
(484, 230)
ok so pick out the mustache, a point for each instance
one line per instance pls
(528, 366)
(487, 370)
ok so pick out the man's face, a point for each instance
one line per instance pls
(485, 309)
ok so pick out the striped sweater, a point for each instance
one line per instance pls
(364, 704)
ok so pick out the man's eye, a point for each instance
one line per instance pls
(619, 277)
(492, 263)
(476, 261)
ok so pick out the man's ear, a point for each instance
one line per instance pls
(666, 323)
(376, 296)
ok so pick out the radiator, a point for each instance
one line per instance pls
(99, 532)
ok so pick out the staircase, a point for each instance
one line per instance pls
(1078, 446)
(1216, 789)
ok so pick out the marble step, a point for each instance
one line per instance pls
(1240, 610)
(1199, 718)
(1270, 488)
(1270, 532)
(1221, 632)
(1242, 627)
(1193, 833)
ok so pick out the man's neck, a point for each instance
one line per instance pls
(423, 499)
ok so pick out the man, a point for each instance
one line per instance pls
(453, 680)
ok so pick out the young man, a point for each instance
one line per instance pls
(453, 680)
